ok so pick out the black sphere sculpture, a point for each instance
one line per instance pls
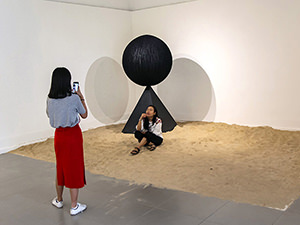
(147, 61)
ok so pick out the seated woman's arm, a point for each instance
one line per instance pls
(140, 125)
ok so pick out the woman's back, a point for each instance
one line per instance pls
(64, 112)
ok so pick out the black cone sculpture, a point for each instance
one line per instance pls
(147, 61)
(149, 98)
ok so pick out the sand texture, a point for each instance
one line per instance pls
(256, 165)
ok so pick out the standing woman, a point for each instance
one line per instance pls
(63, 110)
(148, 130)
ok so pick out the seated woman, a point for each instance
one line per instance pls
(148, 130)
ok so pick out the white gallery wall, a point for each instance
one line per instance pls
(249, 49)
(37, 36)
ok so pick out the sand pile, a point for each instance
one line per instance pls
(257, 165)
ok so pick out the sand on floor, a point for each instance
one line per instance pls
(256, 165)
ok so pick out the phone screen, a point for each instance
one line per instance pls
(75, 86)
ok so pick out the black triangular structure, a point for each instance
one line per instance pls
(149, 97)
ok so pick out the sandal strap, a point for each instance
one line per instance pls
(135, 151)
(153, 147)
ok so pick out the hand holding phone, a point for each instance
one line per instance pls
(75, 87)
(76, 90)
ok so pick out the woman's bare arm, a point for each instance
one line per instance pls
(83, 103)
(139, 125)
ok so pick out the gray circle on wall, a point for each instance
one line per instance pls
(187, 91)
(107, 91)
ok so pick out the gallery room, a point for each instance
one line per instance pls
(150, 112)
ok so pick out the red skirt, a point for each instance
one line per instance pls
(68, 144)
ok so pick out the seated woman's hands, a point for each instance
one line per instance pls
(144, 115)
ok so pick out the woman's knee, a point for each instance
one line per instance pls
(159, 142)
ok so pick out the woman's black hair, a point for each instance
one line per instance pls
(61, 83)
(146, 120)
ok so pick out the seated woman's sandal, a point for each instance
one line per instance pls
(151, 147)
(135, 151)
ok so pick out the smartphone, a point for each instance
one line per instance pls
(75, 86)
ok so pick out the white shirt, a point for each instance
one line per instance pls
(153, 128)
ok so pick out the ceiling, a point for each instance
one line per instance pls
(129, 5)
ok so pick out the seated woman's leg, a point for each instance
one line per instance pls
(142, 141)
(138, 135)
(156, 140)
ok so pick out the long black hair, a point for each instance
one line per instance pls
(146, 120)
(61, 83)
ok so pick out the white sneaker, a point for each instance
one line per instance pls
(78, 209)
(57, 204)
